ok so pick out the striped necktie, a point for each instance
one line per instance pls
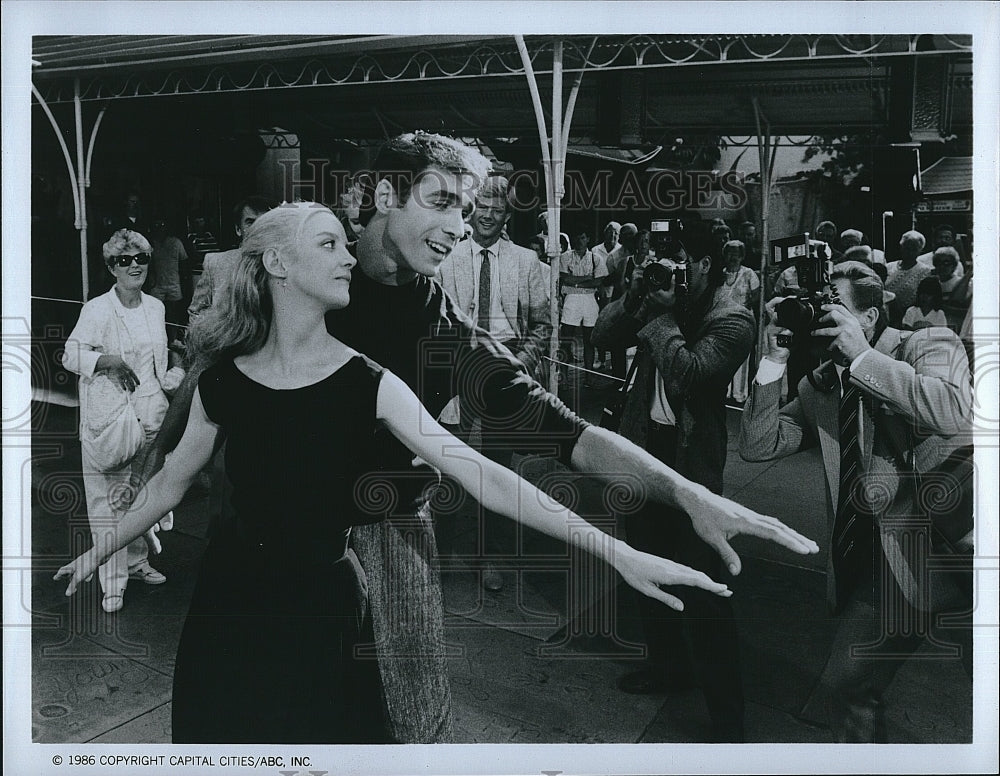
(485, 292)
(854, 524)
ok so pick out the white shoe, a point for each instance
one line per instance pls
(147, 574)
(113, 602)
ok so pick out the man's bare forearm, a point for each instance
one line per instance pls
(608, 455)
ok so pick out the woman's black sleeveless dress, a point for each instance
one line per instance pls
(267, 651)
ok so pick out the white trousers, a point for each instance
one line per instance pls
(107, 492)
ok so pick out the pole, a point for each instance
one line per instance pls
(552, 241)
(81, 186)
(766, 157)
(555, 200)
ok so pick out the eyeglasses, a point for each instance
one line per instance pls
(142, 259)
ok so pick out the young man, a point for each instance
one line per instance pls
(605, 251)
(689, 348)
(502, 287)
(884, 406)
(510, 300)
(581, 273)
(415, 215)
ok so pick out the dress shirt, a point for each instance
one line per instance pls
(500, 327)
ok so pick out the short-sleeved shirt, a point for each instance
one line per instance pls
(744, 284)
(572, 263)
(914, 315)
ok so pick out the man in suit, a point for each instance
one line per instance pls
(689, 350)
(217, 268)
(502, 287)
(887, 407)
(511, 301)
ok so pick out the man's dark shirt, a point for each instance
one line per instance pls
(417, 332)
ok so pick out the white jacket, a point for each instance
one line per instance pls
(98, 333)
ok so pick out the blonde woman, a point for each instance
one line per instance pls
(268, 653)
(120, 344)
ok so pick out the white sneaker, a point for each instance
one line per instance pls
(113, 602)
(147, 574)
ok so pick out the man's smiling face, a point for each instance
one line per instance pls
(422, 232)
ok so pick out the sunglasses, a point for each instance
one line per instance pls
(142, 259)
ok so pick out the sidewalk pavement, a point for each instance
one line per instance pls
(535, 663)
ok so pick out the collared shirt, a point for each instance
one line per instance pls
(499, 324)
(603, 254)
(572, 263)
(769, 370)
(660, 410)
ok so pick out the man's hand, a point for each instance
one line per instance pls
(152, 540)
(717, 520)
(849, 339)
(116, 369)
(635, 291)
(772, 350)
(663, 298)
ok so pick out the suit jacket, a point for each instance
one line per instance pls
(915, 410)
(216, 275)
(696, 372)
(523, 292)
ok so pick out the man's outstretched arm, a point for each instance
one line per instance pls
(715, 518)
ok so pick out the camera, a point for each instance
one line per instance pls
(801, 313)
(667, 271)
(665, 237)
(657, 276)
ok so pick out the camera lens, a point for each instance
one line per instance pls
(794, 314)
(656, 276)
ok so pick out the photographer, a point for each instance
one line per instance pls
(691, 342)
(887, 408)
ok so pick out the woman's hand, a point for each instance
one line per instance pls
(152, 540)
(79, 570)
(116, 369)
(647, 572)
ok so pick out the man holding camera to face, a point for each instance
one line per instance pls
(890, 411)
(692, 338)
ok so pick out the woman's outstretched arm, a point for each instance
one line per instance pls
(161, 494)
(504, 492)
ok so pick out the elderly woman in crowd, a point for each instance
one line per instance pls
(119, 349)
(742, 285)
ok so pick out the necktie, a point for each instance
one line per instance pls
(854, 523)
(483, 314)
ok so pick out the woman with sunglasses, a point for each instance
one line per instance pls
(120, 342)
(277, 643)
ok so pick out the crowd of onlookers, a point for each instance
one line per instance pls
(927, 282)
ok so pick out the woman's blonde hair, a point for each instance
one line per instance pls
(123, 241)
(239, 322)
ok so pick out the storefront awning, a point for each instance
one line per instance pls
(948, 175)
